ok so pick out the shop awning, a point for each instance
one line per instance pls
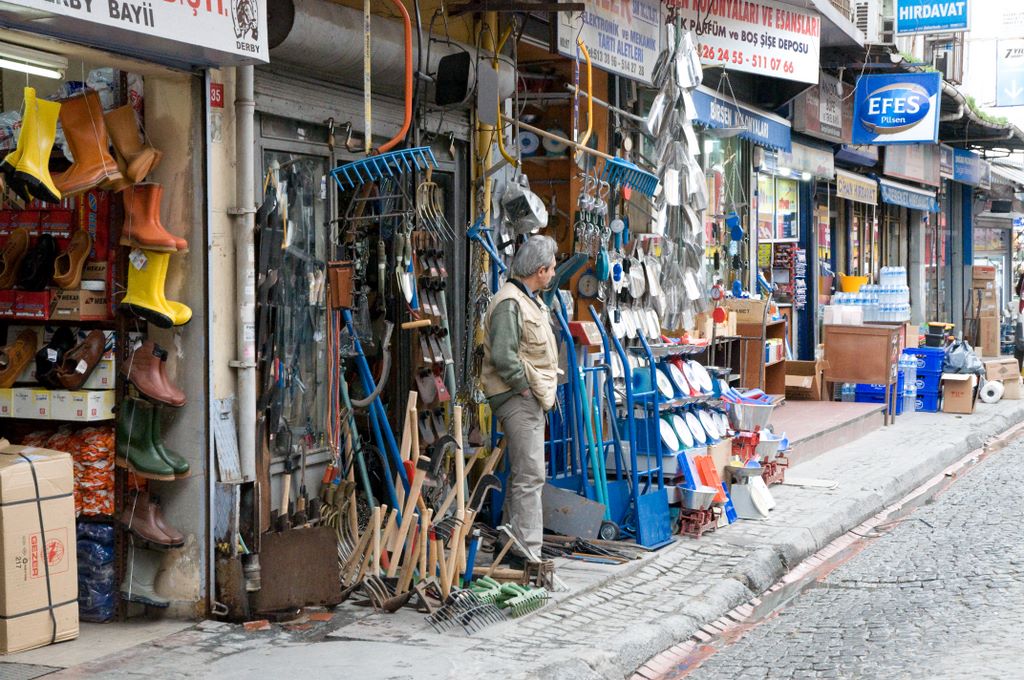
(854, 187)
(760, 127)
(1014, 174)
(998, 220)
(907, 196)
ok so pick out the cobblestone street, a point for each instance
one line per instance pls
(938, 594)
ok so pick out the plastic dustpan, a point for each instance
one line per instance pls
(709, 475)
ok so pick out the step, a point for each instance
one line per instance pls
(815, 427)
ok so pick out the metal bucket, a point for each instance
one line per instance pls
(749, 417)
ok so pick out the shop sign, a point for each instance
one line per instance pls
(1010, 73)
(985, 182)
(759, 127)
(855, 187)
(623, 37)
(800, 158)
(823, 112)
(896, 109)
(857, 154)
(756, 36)
(195, 32)
(908, 197)
(931, 16)
(917, 163)
(967, 167)
(945, 161)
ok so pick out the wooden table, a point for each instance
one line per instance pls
(864, 354)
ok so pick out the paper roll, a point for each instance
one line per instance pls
(992, 392)
(529, 143)
(553, 147)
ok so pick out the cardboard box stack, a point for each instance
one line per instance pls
(986, 299)
(1007, 371)
(39, 589)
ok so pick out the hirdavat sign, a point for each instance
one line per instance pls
(931, 16)
(896, 109)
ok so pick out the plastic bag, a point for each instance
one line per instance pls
(97, 532)
(94, 555)
(960, 358)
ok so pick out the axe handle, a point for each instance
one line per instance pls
(443, 570)
(375, 521)
(460, 467)
(498, 558)
(407, 520)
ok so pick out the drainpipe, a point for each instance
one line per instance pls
(245, 271)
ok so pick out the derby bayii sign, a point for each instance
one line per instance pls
(896, 109)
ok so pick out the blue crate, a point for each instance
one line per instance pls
(897, 397)
(929, 359)
(928, 402)
(928, 381)
(879, 390)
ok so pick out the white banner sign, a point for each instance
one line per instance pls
(622, 36)
(228, 31)
(759, 36)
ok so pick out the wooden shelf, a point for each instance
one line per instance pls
(770, 378)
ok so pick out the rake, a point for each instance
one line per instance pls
(523, 600)
(390, 164)
(463, 608)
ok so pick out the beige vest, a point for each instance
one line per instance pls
(537, 348)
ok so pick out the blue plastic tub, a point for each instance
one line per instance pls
(879, 390)
(928, 402)
(928, 382)
(929, 359)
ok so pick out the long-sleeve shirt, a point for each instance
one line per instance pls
(504, 340)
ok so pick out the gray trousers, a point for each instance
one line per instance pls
(522, 421)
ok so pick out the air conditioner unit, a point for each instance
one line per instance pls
(888, 34)
(868, 18)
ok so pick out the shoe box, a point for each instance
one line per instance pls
(63, 405)
(39, 584)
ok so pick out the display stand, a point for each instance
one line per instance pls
(769, 376)
(863, 354)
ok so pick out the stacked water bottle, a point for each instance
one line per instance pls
(927, 363)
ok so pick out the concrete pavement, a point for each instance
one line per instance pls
(614, 618)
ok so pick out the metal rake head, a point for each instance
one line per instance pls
(390, 164)
(463, 608)
(620, 172)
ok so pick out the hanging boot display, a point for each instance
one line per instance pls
(135, 159)
(39, 129)
(144, 519)
(142, 226)
(135, 442)
(139, 584)
(67, 268)
(144, 370)
(172, 458)
(81, 118)
(145, 297)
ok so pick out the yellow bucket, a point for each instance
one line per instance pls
(851, 284)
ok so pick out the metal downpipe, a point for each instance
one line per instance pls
(245, 270)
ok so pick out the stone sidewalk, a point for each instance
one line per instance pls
(614, 618)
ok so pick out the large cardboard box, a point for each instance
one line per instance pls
(1005, 368)
(1012, 389)
(705, 324)
(958, 393)
(988, 302)
(988, 335)
(983, 272)
(805, 380)
(39, 589)
(747, 311)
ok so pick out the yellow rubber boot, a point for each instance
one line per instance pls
(9, 162)
(145, 297)
(181, 313)
(39, 128)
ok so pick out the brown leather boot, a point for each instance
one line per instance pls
(135, 159)
(81, 118)
(139, 517)
(173, 534)
(169, 386)
(142, 227)
(143, 370)
(80, 361)
(11, 254)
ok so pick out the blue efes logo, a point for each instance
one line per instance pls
(895, 108)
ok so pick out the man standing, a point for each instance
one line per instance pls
(520, 377)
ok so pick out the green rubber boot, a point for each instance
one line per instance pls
(173, 459)
(135, 449)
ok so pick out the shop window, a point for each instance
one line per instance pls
(778, 208)
(290, 323)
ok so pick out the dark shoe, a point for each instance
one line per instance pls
(37, 267)
(49, 358)
(79, 362)
(11, 255)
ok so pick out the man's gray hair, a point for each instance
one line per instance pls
(538, 251)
